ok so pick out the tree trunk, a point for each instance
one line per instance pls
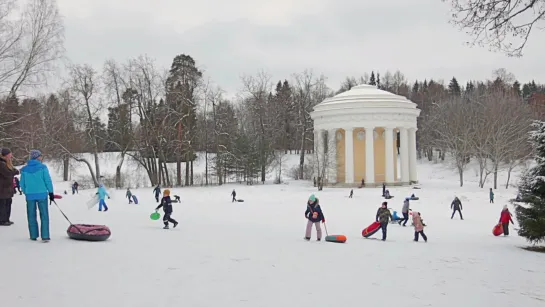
(118, 172)
(169, 183)
(191, 172)
(461, 173)
(495, 176)
(302, 156)
(65, 167)
(178, 173)
(508, 177)
(186, 173)
(206, 167)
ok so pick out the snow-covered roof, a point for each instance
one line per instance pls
(365, 105)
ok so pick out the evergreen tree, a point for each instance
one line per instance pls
(531, 215)
(470, 87)
(372, 80)
(516, 88)
(378, 80)
(416, 87)
(526, 92)
(454, 88)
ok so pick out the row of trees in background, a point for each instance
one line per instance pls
(161, 116)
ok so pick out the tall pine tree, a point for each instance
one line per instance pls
(531, 215)
(372, 80)
(454, 88)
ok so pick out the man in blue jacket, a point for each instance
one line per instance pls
(37, 186)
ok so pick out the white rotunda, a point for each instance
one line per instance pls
(356, 137)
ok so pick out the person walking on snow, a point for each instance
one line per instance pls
(418, 227)
(37, 186)
(157, 192)
(351, 193)
(75, 186)
(166, 204)
(456, 205)
(234, 195)
(7, 175)
(17, 184)
(383, 217)
(314, 215)
(129, 195)
(491, 196)
(505, 218)
(384, 189)
(102, 193)
(405, 212)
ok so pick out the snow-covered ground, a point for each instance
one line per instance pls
(253, 253)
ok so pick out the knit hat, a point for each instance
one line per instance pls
(5, 151)
(312, 198)
(505, 207)
(35, 154)
(166, 192)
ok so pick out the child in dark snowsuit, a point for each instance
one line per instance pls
(166, 204)
(234, 195)
(383, 216)
(129, 196)
(351, 193)
(75, 186)
(491, 196)
(456, 205)
(314, 215)
(157, 192)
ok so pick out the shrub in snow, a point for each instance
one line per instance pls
(531, 215)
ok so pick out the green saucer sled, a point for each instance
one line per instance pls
(155, 216)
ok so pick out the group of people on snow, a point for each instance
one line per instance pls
(35, 183)
(315, 215)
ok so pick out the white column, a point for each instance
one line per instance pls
(317, 152)
(404, 140)
(332, 155)
(412, 155)
(349, 154)
(369, 155)
(389, 147)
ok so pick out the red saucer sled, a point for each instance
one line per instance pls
(370, 230)
(497, 230)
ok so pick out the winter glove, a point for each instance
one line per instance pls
(51, 197)
(323, 220)
(109, 197)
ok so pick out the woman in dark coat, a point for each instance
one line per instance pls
(7, 172)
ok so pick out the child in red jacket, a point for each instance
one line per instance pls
(505, 218)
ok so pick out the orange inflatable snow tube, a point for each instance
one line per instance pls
(336, 238)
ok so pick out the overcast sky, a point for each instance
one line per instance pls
(338, 38)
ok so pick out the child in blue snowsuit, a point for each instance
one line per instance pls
(102, 193)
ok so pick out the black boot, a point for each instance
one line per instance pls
(307, 238)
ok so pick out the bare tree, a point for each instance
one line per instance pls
(256, 90)
(496, 22)
(31, 41)
(308, 92)
(147, 88)
(450, 119)
(84, 83)
(115, 85)
(509, 119)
